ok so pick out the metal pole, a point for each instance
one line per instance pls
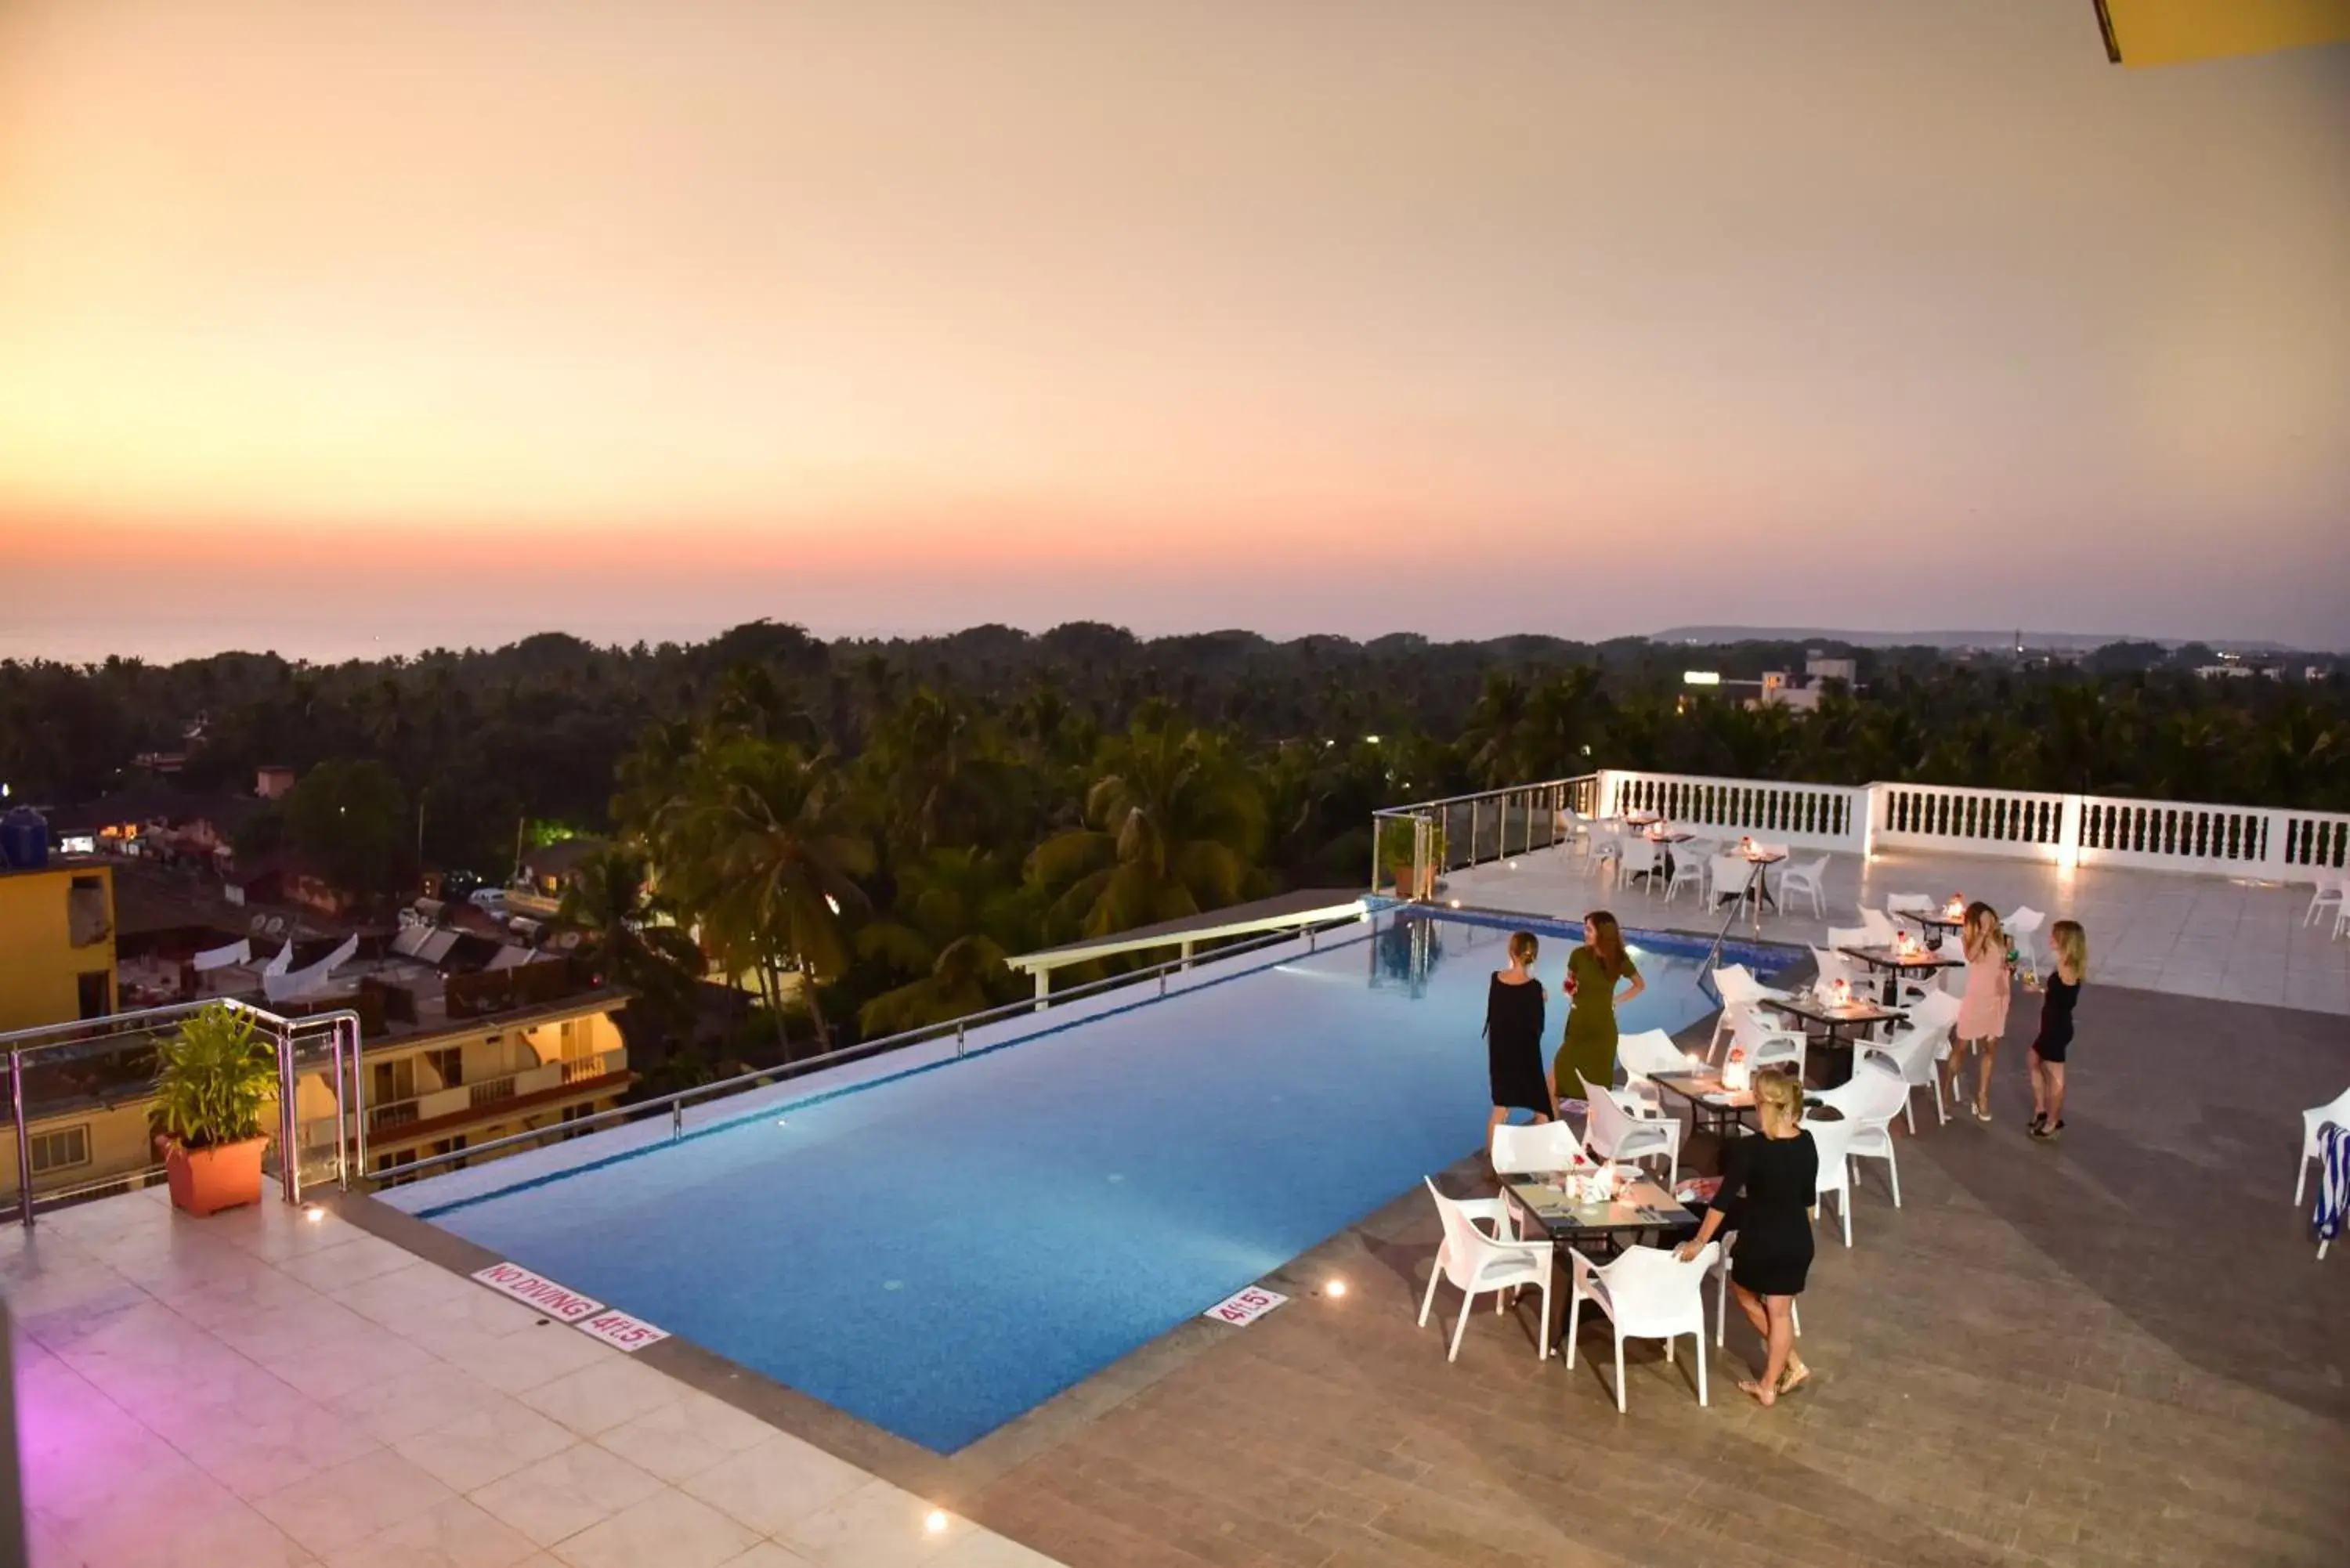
(24, 1140)
(289, 1158)
(677, 1120)
(358, 1099)
(1473, 833)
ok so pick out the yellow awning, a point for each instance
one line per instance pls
(2173, 32)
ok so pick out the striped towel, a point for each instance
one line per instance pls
(2333, 1181)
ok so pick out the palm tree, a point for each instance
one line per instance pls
(1172, 827)
(936, 773)
(1500, 731)
(629, 936)
(757, 847)
(957, 911)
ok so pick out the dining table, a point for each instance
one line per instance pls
(1897, 963)
(1836, 1018)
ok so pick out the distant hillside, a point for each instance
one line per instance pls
(2045, 639)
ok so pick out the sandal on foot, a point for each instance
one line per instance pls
(1983, 1113)
(1794, 1377)
(1760, 1394)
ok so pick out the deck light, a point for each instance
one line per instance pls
(936, 1523)
(313, 1213)
(1335, 1289)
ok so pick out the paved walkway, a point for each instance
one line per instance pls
(265, 1390)
(2189, 936)
(2113, 1351)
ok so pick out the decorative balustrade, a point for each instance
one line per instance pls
(1809, 816)
(1417, 842)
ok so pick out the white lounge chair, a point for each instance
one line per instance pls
(2326, 895)
(1475, 1262)
(1646, 1293)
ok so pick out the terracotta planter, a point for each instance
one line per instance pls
(207, 1180)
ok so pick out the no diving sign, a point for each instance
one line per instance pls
(585, 1314)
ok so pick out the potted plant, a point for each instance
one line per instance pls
(211, 1078)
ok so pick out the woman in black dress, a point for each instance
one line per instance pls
(1768, 1187)
(2055, 1039)
(1513, 1038)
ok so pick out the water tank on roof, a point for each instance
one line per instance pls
(23, 839)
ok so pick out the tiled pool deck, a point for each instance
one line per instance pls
(2114, 1350)
(262, 1389)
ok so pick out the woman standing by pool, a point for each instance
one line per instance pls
(1513, 1037)
(1983, 1011)
(1593, 971)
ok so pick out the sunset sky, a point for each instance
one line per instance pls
(363, 326)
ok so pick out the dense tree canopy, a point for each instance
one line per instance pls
(872, 826)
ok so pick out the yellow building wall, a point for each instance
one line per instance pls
(2174, 32)
(120, 1143)
(40, 968)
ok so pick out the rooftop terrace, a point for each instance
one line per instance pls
(2113, 1350)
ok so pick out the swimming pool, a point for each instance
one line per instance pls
(940, 1250)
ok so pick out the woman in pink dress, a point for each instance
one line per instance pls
(1983, 1011)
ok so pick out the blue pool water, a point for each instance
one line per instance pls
(941, 1252)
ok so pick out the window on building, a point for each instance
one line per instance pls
(449, 1064)
(97, 989)
(60, 1150)
(579, 1040)
(86, 921)
(394, 1081)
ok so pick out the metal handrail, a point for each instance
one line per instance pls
(287, 1035)
(675, 1101)
(1481, 795)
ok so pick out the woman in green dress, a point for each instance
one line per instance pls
(1593, 972)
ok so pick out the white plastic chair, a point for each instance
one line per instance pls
(1573, 832)
(1728, 1242)
(1646, 1293)
(2338, 1111)
(1834, 1141)
(1612, 1133)
(1849, 936)
(1879, 927)
(1689, 871)
(1807, 876)
(1915, 1051)
(1834, 967)
(1607, 846)
(1868, 1102)
(1648, 1051)
(1534, 1150)
(1638, 855)
(1476, 1262)
(1737, 987)
(1776, 1048)
(2327, 894)
(1726, 878)
(2024, 931)
(1908, 904)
